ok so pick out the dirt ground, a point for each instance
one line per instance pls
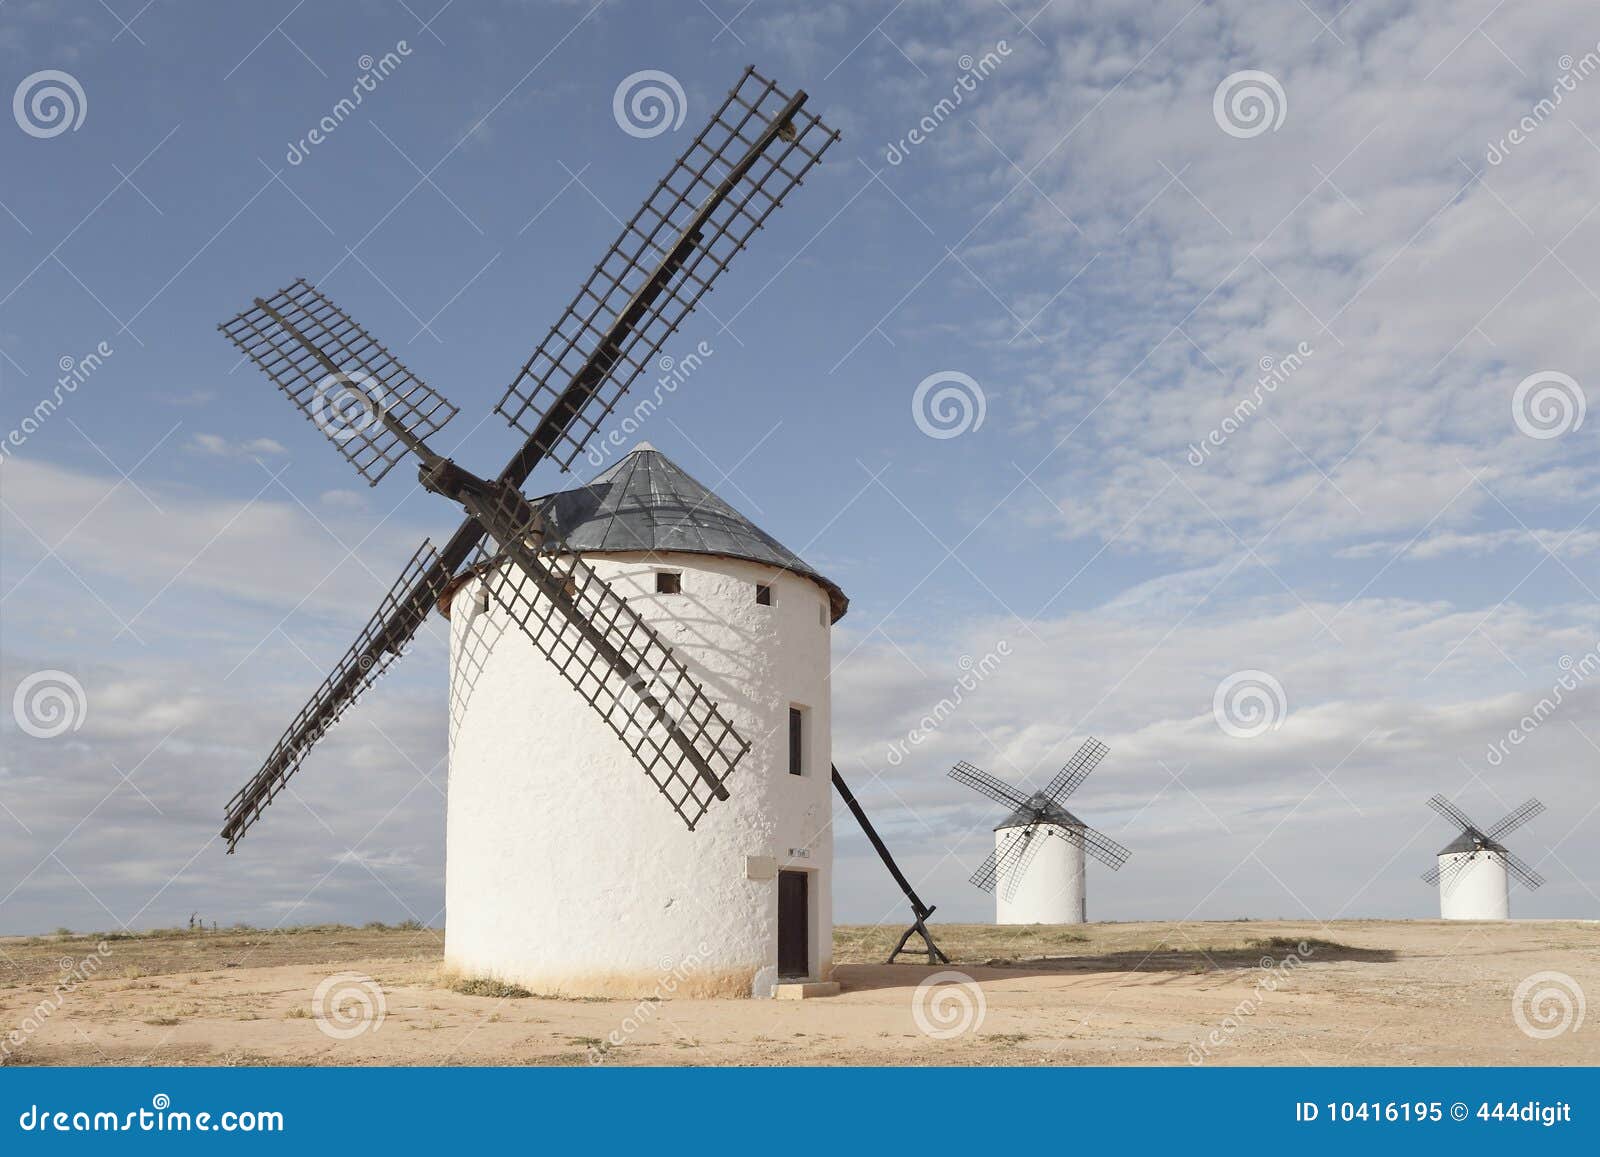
(1272, 993)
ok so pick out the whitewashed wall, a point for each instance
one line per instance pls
(1051, 891)
(1478, 891)
(565, 869)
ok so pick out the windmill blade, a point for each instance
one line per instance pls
(1523, 871)
(1002, 859)
(987, 872)
(1034, 840)
(622, 668)
(1452, 813)
(1530, 808)
(757, 147)
(1083, 761)
(1431, 876)
(1099, 845)
(981, 781)
(338, 375)
(381, 641)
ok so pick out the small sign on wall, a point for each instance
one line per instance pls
(799, 853)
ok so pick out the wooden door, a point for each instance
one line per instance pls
(794, 925)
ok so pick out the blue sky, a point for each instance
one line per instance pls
(1106, 251)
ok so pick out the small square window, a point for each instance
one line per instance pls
(668, 582)
(763, 595)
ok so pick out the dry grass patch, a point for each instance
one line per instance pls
(163, 951)
(484, 986)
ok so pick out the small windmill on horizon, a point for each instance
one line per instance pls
(1474, 870)
(1037, 867)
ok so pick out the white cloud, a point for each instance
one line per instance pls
(344, 499)
(131, 803)
(1571, 543)
(217, 445)
(1369, 226)
(161, 542)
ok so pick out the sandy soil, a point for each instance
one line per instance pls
(1359, 993)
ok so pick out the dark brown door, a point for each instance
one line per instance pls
(794, 925)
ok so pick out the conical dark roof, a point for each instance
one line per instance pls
(1470, 841)
(1040, 809)
(647, 502)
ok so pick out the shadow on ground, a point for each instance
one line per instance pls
(1186, 960)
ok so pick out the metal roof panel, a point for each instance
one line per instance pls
(648, 503)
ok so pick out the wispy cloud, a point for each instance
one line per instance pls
(220, 447)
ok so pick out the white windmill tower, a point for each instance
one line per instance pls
(1037, 867)
(1474, 870)
(564, 873)
(672, 637)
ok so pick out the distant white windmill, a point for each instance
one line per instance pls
(1042, 835)
(1474, 869)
